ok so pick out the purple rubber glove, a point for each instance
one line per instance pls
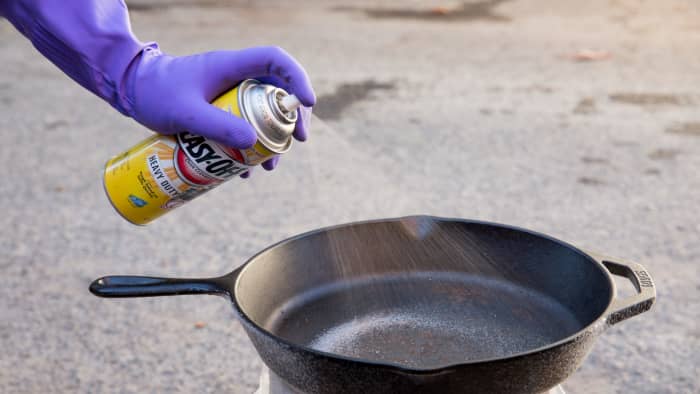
(92, 42)
(161, 105)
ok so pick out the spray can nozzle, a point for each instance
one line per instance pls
(289, 103)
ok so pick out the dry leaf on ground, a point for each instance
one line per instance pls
(439, 10)
(590, 55)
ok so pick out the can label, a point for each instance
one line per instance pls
(163, 172)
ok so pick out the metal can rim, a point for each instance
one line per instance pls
(243, 87)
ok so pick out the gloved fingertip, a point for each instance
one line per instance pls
(303, 124)
(270, 164)
(307, 96)
(245, 175)
(300, 135)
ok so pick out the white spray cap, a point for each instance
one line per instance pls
(289, 103)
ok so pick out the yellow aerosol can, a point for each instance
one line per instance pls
(163, 172)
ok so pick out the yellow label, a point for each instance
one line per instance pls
(137, 181)
(229, 102)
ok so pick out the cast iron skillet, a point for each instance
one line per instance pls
(418, 305)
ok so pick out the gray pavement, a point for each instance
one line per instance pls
(479, 113)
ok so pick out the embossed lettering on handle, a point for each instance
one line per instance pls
(622, 309)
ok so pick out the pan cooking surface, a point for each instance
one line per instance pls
(424, 320)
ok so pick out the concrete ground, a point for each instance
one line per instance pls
(485, 111)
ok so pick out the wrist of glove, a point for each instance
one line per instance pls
(92, 43)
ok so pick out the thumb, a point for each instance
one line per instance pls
(204, 119)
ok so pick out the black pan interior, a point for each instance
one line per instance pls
(423, 293)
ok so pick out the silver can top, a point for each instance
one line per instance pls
(272, 111)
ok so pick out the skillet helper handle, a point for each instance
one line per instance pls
(145, 286)
(641, 302)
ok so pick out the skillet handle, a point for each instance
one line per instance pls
(641, 302)
(145, 286)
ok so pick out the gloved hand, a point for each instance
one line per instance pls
(170, 94)
(92, 42)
